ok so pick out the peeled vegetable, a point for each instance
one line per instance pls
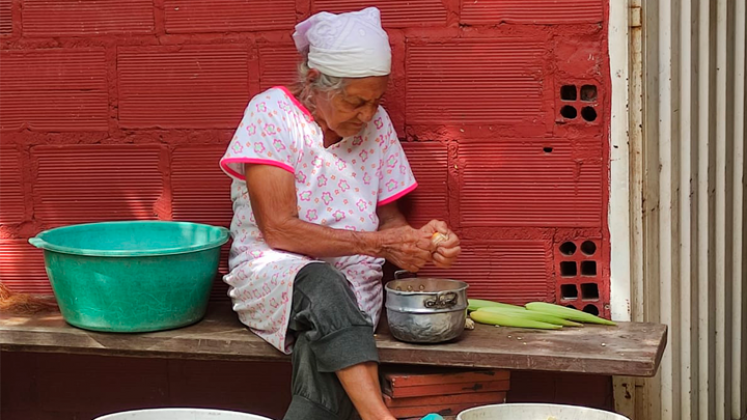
(536, 316)
(438, 237)
(510, 320)
(567, 313)
(475, 304)
(469, 324)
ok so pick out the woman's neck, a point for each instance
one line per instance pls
(330, 137)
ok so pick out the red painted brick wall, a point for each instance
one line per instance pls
(113, 110)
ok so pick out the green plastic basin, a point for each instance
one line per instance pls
(134, 276)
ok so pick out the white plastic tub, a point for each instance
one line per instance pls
(180, 414)
(536, 412)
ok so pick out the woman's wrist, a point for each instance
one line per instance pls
(372, 244)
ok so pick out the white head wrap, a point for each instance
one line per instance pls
(346, 45)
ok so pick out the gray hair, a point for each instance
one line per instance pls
(325, 84)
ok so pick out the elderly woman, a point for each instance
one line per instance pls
(316, 175)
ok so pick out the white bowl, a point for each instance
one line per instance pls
(180, 414)
(536, 412)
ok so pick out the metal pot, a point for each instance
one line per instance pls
(426, 310)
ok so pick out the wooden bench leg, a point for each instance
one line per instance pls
(412, 392)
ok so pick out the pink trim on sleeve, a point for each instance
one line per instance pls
(399, 195)
(295, 101)
(253, 161)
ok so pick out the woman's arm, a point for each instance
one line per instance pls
(390, 217)
(447, 250)
(272, 192)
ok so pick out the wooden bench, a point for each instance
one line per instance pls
(630, 349)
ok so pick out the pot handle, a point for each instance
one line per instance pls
(444, 300)
(404, 274)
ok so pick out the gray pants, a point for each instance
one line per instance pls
(332, 333)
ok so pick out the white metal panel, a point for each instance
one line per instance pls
(739, 294)
(626, 268)
(722, 326)
(705, 393)
(739, 276)
(686, 186)
(619, 213)
(667, 305)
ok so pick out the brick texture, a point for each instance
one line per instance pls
(6, 18)
(493, 12)
(22, 267)
(183, 16)
(54, 90)
(63, 17)
(580, 280)
(11, 186)
(278, 65)
(219, 291)
(185, 87)
(201, 192)
(511, 271)
(114, 110)
(541, 183)
(430, 200)
(96, 183)
(444, 86)
(394, 13)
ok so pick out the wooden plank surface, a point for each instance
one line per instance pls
(400, 377)
(630, 349)
(443, 389)
(482, 398)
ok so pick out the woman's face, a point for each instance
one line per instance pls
(348, 111)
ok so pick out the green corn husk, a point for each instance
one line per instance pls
(475, 304)
(537, 316)
(567, 313)
(507, 320)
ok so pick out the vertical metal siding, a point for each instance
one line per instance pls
(705, 393)
(684, 187)
(692, 219)
(739, 228)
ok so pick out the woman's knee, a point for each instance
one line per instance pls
(331, 303)
(320, 281)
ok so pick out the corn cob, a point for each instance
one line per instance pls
(537, 316)
(567, 313)
(438, 237)
(506, 320)
(475, 304)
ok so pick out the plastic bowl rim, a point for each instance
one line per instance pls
(177, 410)
(537, 405)
(39, 241)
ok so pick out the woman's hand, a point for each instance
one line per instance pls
(445, 241)
(407, 248)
